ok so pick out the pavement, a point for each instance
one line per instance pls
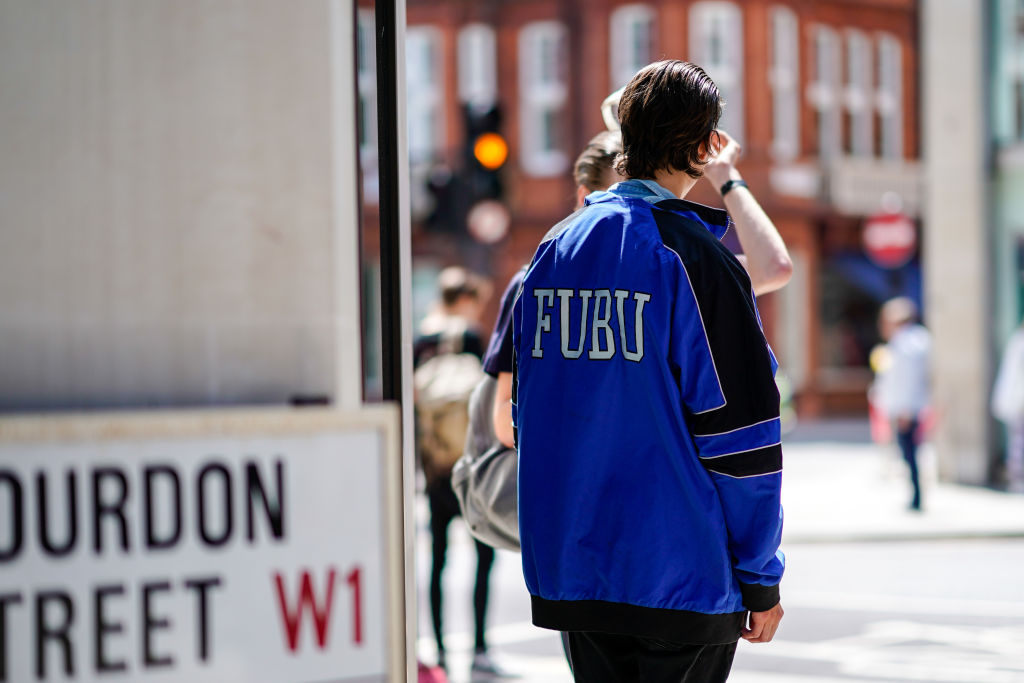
(838, 487)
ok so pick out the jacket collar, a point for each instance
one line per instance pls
(716, 221)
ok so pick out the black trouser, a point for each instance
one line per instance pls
(907, 440)
(608, 658)
(444, 507)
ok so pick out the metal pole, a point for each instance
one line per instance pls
(390, 220)
(396, 273)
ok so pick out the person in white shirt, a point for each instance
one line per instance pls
(902, 389)
(1008, 407)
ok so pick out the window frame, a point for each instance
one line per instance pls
(784, 80)
(424, 95)
(823, 92)
(477, 54)
(857, 91)
(544, 92)
(889, 95)
(727, 75)
(623, 50)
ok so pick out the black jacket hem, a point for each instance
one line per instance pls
(758, 598)
(677, 626)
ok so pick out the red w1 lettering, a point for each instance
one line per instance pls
(319, 609)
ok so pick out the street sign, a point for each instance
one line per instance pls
(217, 546)
(890, 239)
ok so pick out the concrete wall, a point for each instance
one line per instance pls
(173, 226)
(956, 233)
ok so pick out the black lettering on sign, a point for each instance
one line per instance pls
(273, 508)
(102, 627)
(201, 587)
(103, 507)
(56, 632)
(208, 475)
(70, 502)
(150, 475)
(151, 623)
(14, 599)
(10, 483)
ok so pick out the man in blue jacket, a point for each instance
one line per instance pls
(647, 414)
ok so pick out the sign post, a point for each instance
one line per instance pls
(255, 545)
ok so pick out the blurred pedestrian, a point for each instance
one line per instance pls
(902, 388)
(647, 413)
(1008, 407)
(447, 357)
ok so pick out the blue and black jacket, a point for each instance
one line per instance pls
(647, 420)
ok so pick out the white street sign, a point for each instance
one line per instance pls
(239, 546)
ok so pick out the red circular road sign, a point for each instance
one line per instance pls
(890, 239)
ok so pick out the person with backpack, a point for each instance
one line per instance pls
(447, 359)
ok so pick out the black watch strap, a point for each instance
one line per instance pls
(732, 184)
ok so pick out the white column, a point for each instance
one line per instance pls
(178, 228)
(956, 232)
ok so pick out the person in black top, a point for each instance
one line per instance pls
(462, 296)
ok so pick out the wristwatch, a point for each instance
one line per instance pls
(730, 184)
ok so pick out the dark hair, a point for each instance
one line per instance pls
(668, 112)
(456, 282)
(596, 160)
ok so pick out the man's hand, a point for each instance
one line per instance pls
(722, 164)
(763, 625)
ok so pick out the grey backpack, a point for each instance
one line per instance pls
(484, 478)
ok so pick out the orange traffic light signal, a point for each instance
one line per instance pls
(490, 150)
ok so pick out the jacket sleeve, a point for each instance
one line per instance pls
(727, 379)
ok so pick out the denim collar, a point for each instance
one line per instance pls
(716, 221)
(638, 188)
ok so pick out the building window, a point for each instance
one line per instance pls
(544, 91)
(366, 84)
(716, 45)
(889, 97)
(784, 78)
(424, 90)
(857, 95)
(632, 42)
(823, 91)
(477, 67)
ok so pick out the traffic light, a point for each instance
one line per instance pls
(450, 203)
(470, 199)
(485, 152)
